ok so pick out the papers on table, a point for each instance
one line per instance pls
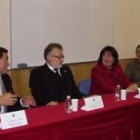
(137, 96)
(92, 103)
(13, 119)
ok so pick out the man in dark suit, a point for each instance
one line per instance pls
(8, 100)
(53, 81)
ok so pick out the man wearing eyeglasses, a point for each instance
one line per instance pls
(53, 81)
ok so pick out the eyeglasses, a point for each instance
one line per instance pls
(58, 57)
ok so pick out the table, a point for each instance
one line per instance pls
(116, 121)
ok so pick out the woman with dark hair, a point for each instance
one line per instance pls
(107, 74)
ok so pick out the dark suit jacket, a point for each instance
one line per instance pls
(8, 87)
(48, 86)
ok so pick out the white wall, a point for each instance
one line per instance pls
(127, 27)
(83, 27)
(5, 23)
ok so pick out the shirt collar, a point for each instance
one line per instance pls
(50, 67)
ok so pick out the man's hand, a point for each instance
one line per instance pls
(8, 99)
(29, 100)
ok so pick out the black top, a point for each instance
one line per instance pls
(47, 85)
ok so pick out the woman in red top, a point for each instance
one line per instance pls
(107, 74)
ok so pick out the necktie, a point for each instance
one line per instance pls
(2, 86)
(2, 91)
(57, 71)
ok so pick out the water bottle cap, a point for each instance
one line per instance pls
(118, 86)
(68, 96)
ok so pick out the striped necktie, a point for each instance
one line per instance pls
(3, 109)
(2, 85)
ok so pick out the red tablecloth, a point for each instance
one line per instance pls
(116, 121)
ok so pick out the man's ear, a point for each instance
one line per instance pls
(48, 57)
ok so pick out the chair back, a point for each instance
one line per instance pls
(84, 86)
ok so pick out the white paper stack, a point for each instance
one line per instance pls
(92, 103)
(13, 119)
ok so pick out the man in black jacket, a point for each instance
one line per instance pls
(8, 100)
(53, 81)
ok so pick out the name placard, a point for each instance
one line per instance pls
(13, 119)
(92, 103)
(137, 96)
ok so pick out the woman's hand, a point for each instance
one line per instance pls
(132, 88)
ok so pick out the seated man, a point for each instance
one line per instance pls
(8, 100)
(133, 68)
(52, 82)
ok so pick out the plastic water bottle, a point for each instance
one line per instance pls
(118, 93)
(68, 104)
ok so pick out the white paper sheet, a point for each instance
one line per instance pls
(137, 96)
